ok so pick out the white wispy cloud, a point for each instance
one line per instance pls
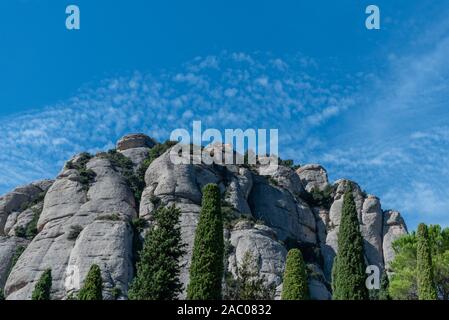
(230, 90)
(397, 141)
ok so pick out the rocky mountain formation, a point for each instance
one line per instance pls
(87, 216)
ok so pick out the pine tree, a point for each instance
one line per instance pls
(2, 295)
(348, 278)
(295, 277)
(424, 268)
(207, 267)
(157, 275)
(93, 285)
(43, 287)
(249, 284)
(384, 287)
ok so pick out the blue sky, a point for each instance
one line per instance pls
(371, 106)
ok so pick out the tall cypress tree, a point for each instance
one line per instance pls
(424, 268)
(157, 275)
(43, 287)
(348, 278)
(295, 277)
(207, 267)
(93, 285)
(2, 295)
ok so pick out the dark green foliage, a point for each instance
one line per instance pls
(424, 267)
(125, 167)
(320, 198)
(43, 287)
(348, 274)
(72, 297)
(384, 287)
(155, 201)
(2, 295)
(30, 230)
(86, 176)
(273, 181)
(289, 163)
(310, 252)
(157, 276)
(116, 293)
(228, 213)
(248, 284)
(74, 232)
(93, 285)
(295, 277)
(136, 180)
(404, 283)
(17, 253)
(39, 198)
(207, 267)
(109, 217)
(20, 232)
(139, 224)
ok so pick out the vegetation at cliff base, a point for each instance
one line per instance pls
(93, 285)
(158, 269)
(207, 266)
(348, 274)
(295, 277)
(248, 283)
(384, 287)
(43, 287)
(404, 267)
(424, 267)
(86, 176)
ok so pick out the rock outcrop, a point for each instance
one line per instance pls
(85, 216)
(313, 176)
(134, 141)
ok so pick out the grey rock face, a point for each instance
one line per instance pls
(318, 287)
(22, 219)
(278, 208)
(266, 251)
(19, 199)
(393, 228)
(370, 217)
(9, 247)
(109, 245)
(313, 176)
(136, 155)
(84, 222)
(68, 207)
(135, 141)
(289, 180)
(372, 228)
(335, 210)
(378, 229)
(318, 291)
(238, 191)
(178, 185)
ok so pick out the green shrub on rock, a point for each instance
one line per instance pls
(93, 285)
(295, 277)
(43, 287)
